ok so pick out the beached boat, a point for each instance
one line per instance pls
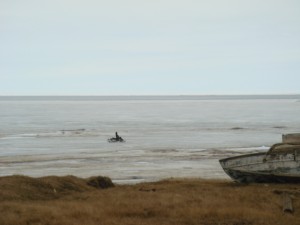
(280, 164)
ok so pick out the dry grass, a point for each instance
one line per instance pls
(25, 201)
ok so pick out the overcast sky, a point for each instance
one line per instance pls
(134, 47)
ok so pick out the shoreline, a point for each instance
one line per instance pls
(126, 166)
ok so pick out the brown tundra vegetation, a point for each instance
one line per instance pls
(75, 201)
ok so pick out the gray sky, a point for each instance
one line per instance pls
(131, 47)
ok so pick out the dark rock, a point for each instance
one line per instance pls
(100, 182)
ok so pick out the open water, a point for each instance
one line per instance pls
(166, 136)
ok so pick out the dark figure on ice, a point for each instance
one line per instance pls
(116, 139)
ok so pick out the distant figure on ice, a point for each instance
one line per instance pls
(116, 139)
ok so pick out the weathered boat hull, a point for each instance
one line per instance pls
(263, 167)
(259, 177)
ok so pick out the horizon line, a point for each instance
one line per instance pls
(146, 95)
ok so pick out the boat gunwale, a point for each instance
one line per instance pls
(253, 154)
(243, 156)
(257, 163)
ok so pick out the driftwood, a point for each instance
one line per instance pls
(287, 203)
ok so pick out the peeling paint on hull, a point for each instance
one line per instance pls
(264, 168)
